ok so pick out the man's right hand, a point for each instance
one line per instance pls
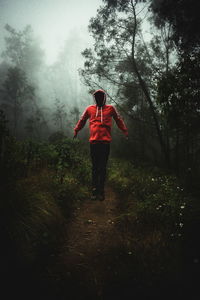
(75, 135)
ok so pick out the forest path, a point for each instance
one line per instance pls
(89, 257)
(92, 224)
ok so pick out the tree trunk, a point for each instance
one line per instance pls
(146, 93)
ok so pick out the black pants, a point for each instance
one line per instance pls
(99, 155)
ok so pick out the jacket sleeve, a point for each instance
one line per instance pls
(120, 123)
(81, 123)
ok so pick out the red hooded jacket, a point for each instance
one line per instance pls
(100, 120)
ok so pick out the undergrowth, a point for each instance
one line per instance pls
(149, 197)
(42, 183)
(151, 216)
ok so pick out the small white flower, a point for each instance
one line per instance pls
(181, 224)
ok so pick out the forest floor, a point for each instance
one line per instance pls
(99, 260)
(102, 258)
(90, 256)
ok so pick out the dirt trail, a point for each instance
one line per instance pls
(89, 255)
(92, 226)
(103, 259)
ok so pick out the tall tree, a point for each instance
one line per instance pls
(178, 90)
(16, 91)
(59, 115)
(183, 16)
(25, 58)
(23, 50)
(122, 58)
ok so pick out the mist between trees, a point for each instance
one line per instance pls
(147, 64)
(38, 99)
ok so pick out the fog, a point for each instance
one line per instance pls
(53, 21)
(58, 33)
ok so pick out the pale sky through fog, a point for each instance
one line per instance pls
(53, 21)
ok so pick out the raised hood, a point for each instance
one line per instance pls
(99, 97)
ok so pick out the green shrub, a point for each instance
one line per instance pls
(149, 197)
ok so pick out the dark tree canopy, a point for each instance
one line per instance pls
(184, 17)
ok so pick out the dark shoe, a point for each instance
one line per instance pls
(94, 194)
(93, 197)
(101, 197)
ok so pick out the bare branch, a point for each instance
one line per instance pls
(134, 29)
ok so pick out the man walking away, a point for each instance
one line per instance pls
(100, 123)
